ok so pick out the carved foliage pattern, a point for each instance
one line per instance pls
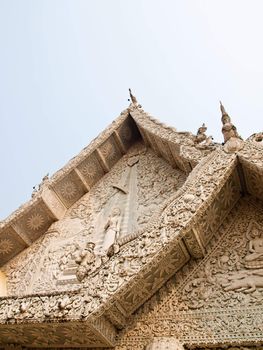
(210, 301)
(10, 244)
(51, 263)
(35, 222)
(70, 188)
(109, 284)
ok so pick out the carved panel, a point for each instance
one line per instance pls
(254, 178)
(194, 244)
(70, 188)
(164, 150)
(61, 334)
(91, 169)
(35, 222)
(22, 269)
(110, 152)
(153, 143)
(138, 186)
(155, 278)
(10, 244)
(165, 343)
(219, 208)
(217, 300)
(251, 159)
(175, 151)
(54, 203)
(128, 132)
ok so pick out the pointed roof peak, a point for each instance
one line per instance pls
(133, 98)
(222, 108)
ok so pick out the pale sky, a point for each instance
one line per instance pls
(66, 66)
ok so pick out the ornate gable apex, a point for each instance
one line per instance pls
(55, 195)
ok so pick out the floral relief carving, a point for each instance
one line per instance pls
(198, 262)
(35, 221)
(227, 270)
(6, 246)
(85, 222)
(217, 298)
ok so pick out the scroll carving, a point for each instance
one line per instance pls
(138, 184)
(219, 297)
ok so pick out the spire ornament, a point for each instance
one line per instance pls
(232, 141)
(200, 135)
(134, 102)
(201, 139)
(222, 108)
(133, 98)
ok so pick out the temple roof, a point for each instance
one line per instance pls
(217, 177)
(57, 194)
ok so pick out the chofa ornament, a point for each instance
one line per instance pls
(232, 140)
(201, 140)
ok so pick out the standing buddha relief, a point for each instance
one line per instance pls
(112, 232)
(120, 204)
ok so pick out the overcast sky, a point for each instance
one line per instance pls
(66, 66)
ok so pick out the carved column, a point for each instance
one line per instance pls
(165, 343)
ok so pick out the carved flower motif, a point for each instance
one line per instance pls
(6, 246)
(68, 189)
(77, 303)
(107, 149)
(89, 170)
(35, 221)
(212, 215)
(228, 195)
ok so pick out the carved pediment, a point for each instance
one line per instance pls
(153, 256)
(216, 300)
(118, 207)
(55, 195)
(127, 216)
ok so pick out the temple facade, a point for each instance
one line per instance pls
(148, 239)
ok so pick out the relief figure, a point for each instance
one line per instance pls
(112, 231)
(249, 280)
(246, 281)
(228, 129)
(87, 261)
(255, 247)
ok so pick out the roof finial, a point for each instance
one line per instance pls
(200, 135)
(133, 98)
(232, 140)
(223, 111)
(201, 140)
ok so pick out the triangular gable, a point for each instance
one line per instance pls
(215, 301)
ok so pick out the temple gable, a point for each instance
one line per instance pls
(137, 187)
(148, 239)
(218, 298)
